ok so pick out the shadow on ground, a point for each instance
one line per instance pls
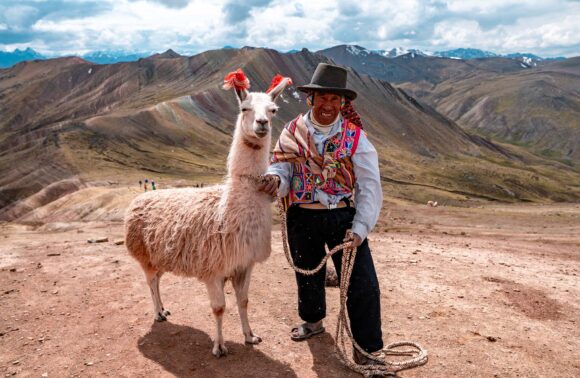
(186, 352)
(325, 361)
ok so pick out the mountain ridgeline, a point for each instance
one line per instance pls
(167, 115)
(522, 99)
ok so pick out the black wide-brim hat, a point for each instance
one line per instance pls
(329, 78)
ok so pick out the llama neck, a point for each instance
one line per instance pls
(245, 158)
(248, 155)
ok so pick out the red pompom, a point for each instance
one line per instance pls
(277, 80)
(236, 80)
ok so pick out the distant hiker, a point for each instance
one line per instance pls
(145, 185)
(153, 185)
(140, 183)
(321, 158)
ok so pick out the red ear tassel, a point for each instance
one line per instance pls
(277, 80)
(236, 80)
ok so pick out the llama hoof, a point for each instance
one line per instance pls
(160, 317)
(219, 350)
(253, 340)
(166, 312)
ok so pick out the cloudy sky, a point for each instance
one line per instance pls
(57, 27)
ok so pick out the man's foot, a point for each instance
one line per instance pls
(361, 359)
(306, 330)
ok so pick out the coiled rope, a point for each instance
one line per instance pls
(380, 365)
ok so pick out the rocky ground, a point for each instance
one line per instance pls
(490, 291)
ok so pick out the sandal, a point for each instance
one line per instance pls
(303, 332)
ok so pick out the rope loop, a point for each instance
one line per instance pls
(380, 365)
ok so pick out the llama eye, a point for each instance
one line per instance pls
(245, 109)
(273, 111)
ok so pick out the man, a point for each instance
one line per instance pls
(328, 171)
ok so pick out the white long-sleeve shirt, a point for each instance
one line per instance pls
(368, 191)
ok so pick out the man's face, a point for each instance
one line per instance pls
(326, 107)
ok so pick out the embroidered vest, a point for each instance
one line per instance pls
(338, 151)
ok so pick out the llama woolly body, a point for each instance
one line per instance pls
(213, 233)
(205, 232)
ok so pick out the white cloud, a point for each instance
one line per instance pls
(548, 27)
(456, 34)
(532, 34)
(276, 27)
(20, 16)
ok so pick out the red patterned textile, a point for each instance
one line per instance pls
(331, 172)
(350, 113)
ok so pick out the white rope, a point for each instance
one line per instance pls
(380, 366)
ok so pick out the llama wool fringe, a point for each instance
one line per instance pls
(204, 232)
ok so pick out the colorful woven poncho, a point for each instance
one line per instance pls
(332, 169)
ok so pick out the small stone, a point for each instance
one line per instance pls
(89, 364)
(119, 242)
(44, 375)
(491, 339)
(331, 276)
(53, 254)
(98, 240)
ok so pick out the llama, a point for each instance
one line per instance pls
(213, 233)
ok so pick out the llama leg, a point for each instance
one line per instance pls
(241, 282)
(217, 300)
(164, 311)
(152, 275)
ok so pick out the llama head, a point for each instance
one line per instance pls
(256, 108)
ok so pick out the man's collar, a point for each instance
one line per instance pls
(336, 127)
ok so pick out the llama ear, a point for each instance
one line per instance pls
(241, 94)
(279, 88)
(239, 82)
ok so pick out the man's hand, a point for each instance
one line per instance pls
(270, 185)
(354, 238)
(357, 241)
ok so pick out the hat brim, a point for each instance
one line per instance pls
(349, 93)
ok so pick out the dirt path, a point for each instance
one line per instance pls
(490, 292)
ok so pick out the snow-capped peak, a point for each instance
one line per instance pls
(398, 51)
(357, 50)
(529, 61)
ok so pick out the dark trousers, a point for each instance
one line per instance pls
(308, 231)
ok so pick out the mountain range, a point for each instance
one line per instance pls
(8, 59)
(533, 103)
(167, 116)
